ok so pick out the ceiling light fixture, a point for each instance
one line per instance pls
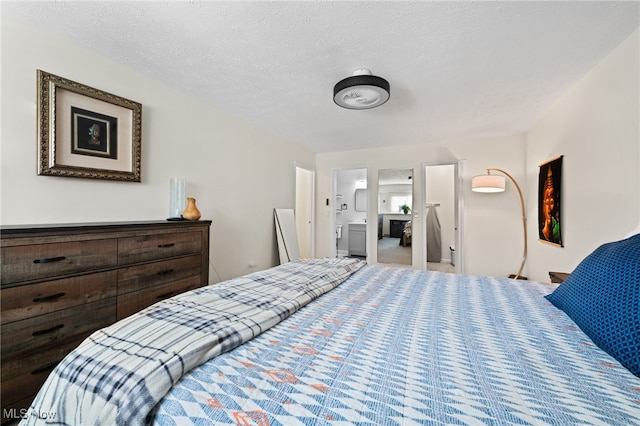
(361, 91)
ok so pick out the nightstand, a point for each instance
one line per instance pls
(558, 277)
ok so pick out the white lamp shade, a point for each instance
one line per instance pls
(488, 183)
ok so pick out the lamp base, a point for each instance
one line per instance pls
(520, 277)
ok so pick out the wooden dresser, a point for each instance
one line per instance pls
(60, 283)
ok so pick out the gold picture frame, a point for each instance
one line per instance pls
(85, 132)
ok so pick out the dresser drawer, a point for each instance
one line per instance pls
(30, 334)
(23, 376)
(30, 300)
(131, 303)
(158, 246)
(38, 261)
(138, 277)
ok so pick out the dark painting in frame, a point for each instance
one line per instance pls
(86, 132)
(93, 134)
(550, 202)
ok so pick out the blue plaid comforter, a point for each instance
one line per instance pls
(120, 373)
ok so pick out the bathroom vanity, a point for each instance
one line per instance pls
(357, 239)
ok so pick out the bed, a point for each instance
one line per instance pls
(406, 235)
(340, 342)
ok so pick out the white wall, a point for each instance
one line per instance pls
(596, 127)
(237, 173)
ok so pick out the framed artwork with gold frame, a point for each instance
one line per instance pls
(85, 132)
(550, 202)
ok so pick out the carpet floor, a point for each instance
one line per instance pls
(390, 251)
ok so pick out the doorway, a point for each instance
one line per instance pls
(304, 210)
(351, 202)
(442, 245)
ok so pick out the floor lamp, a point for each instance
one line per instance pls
(494, 183)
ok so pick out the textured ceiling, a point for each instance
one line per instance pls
(457, 70)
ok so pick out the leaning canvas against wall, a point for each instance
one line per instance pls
(549, 201)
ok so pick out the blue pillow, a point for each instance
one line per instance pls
(602, 296)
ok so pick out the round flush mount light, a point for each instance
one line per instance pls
(361, 91)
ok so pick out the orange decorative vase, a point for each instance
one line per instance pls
(191, 212)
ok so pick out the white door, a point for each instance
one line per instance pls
(305, 190)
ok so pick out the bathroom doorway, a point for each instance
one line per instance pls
(351, 204)
(443, 247)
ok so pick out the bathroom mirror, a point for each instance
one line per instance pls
(395, 203)
(361, 200)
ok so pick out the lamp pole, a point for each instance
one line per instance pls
(524, 219)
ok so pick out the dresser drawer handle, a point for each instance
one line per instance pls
(46, 368)
(165, 295)
(48, 298)
(166, 272)
(47, 331)
(166, 245)
(49, 259)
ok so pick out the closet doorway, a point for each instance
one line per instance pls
(443, 246)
